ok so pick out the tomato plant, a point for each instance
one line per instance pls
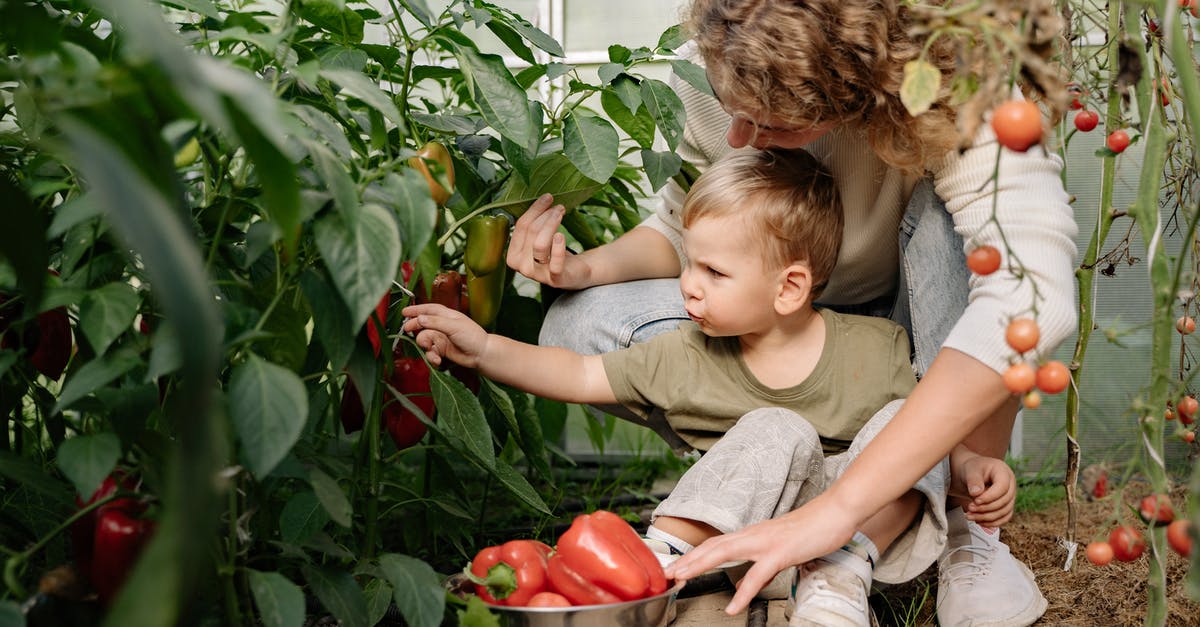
(1117, 141)
(1099, 553)
(983, 260)
(1022, 334)
(1127, 543)
(1086, 120)
(1017, 124)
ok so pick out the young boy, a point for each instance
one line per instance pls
(781, 396)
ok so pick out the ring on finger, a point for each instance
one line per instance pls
(539, 261)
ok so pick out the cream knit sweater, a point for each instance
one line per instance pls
(1030, 205)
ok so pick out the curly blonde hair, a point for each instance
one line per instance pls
(806, 62)
(787, 197)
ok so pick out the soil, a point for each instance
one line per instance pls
(1087, 595)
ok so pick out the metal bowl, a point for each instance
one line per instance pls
(655, 611)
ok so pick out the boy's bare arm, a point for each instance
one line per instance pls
(546, 371)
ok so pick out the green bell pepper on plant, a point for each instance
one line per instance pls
(487, 237)
(484, 294)
(601, 559)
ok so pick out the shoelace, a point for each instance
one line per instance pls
(967, 571)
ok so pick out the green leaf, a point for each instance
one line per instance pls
(551, 173)
(358, 85)
(32, 476)
(639, 127)
(693, 74)
(477, 614)
(333, 173)
(339, 594)
(331, 319)
(532, 440)
(672, 38)
(590, 142)
(362, 252)
(419, 10)
(520, 487)
(511, 40)
(460, 418)
(534, 35)
(268, 407)
(280, 602)
(302, 516)
(406, 196)
(344, 24)
(660, 166)
(94, 374)
(666, 108)
(418, 592)
(7, 359)
(379, 597)
(87, 459)
(23, 240)
(920, 87)
(331, 496)
(277, 174)
(165, 355)
(107, 312)
(11, 615)
(500, 100)
(628, 90)
(609, 71)
(73, 212)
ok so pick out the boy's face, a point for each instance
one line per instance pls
(727, 288)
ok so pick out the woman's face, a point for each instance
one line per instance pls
(761, 131)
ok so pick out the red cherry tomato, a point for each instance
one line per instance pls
(1186, 325)
(1099, 553)
(1086, 120)
(1053, 377)
(1127, 543)
(1032, 400)
(1018, 124)
(1187, 408)
(1189, 436)
(1156, 509)
(983, 260)
(1117, 141)
(1178, 538)
(1022, 334)
(1019, 378)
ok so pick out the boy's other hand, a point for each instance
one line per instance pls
(538, 251)
(993, 490)
(445, 334)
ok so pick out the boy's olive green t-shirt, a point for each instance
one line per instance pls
(704, 386)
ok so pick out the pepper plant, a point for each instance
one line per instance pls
(214, 196)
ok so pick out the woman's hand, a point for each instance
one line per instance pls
(816, 529)
(538, 251)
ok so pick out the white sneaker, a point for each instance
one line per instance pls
(980, 583)
(665, 553)
(831, 591)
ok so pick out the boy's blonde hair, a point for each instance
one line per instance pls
(787, 198)
(814, 61)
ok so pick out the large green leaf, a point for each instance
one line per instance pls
(693, 74)
(362, 252)
(268, 406)
(107, 312)
(379, 597)
(358, 85)
(280, 602)
(87, 459)
(418, 593)
(334, 18)
(333, 171)
(302, 516)
(660, 166)
(339, 593)
(406, 194)
(461, 419)
(639, 126)
(551, 173)
(23, 240)
(29, 475)
(520, 487)
(590, 142)
(95, 373)
(666, 108)
(500, 100)
(331, 319)
(332, 497)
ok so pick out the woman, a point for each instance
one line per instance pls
(825, 75)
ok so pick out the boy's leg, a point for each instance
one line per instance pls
(933, 294)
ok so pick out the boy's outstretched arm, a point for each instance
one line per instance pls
(546, 371)
(989, 482)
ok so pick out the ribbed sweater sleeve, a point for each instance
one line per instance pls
(1031, 207)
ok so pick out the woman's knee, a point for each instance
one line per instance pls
(606, 318)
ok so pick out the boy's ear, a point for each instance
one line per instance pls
(795, 289)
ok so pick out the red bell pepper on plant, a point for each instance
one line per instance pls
(119, 540)
(410, 377)
(83, 529)
(601, 559)
(375, 332)
(511, 573)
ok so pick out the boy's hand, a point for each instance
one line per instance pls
(445, 334)
(993, 490)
